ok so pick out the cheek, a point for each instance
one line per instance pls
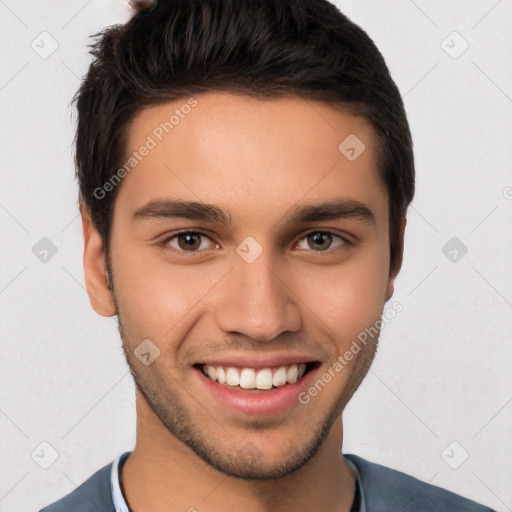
(157, 300)
(349, 297)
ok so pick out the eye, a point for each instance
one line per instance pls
(321, 241)
(193, 242)
(188, 242)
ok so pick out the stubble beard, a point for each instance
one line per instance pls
(243, 462)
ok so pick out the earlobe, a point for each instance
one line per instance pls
(95, 269)
(391, 289)
(397, 263)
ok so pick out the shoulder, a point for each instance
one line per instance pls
(94, 495)
(388, 490)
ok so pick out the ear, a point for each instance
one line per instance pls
(397, 263)
(95, 268)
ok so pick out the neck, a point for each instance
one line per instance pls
(163, 474)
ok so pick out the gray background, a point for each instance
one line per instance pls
(440, 388)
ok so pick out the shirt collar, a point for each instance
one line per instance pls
(120, 503)
(359, 489)
(117, 495)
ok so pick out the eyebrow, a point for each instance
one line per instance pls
(333, 209)
(178, 208)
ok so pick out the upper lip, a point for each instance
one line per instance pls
(258, 361)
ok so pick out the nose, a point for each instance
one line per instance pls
(256, 301)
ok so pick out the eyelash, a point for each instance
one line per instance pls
(165, 243)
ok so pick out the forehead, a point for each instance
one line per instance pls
(253, 155)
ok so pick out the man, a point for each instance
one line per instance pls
(245, 170)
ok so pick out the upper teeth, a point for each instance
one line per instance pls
(255, 378)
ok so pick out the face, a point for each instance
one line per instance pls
(249, 252)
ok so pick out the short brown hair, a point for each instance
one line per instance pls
(261, 49)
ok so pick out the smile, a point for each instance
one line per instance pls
(255, 378)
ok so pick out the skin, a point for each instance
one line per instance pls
(257, 160)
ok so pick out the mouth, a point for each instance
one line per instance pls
(244, 378)
(255, 384)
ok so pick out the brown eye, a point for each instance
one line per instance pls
(187, 242)
(320, 241)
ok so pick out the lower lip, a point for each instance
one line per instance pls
(273, 401)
